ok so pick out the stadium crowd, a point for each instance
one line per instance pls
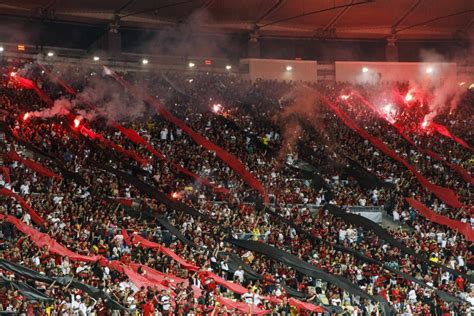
(270, 127)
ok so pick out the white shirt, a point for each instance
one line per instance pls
(25, 189)
(248, 298)
(239, 274)
(166, 302)
(26, 218)
(396, 216)
(342, 234)
(164, 134)
(412, 295)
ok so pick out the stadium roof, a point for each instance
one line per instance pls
(353, 19)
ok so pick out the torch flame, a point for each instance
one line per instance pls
(77, 121)
(216, 108)
(424, 124)
(175, 195)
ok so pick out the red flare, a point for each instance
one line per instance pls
(26, 116)
(216, 108)
(12, 74)
(77, 121)
(424, 125)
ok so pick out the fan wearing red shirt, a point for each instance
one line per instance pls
(148, 308)
(460, 283)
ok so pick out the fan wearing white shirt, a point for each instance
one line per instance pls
(239, 274)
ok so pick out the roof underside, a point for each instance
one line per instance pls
(352, 19)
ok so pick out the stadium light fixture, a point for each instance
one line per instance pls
(429, 70)
(50, 54)
(228, 67)
(289, 68)
(191, 64)
(96, 58)
(144, 61)
(365, 69)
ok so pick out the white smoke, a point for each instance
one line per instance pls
(61, 107)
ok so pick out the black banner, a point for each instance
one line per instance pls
(28, 292)
(310, 270)
(63, 281)
(365, 223)
(364, 177)
(40, 153)
(148, 213)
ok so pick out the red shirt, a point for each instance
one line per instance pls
(148, 309)
(460, 283)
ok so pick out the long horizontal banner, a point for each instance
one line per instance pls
(30, 85)
(68, 175)
(461, 227)
(147, 213)
(224, 155)
(137, 240)
(444, 194)
(28, 273)
(12, 155)
(306, 268)
(401, 130)
(27, 291)
(34, 215)
(445, 132)
(44, 240)
(360, 256)
(365, 223)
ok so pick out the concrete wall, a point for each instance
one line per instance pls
(374, 72)
(276, 69)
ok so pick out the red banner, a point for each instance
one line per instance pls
(247, 309)
(400, 129)
(463, 228)
(30, 164)
(157, 276)
(444, 194)
(133, 136)
(28, 84)
(305, 306)
(141, 281)
(6, 174)
(225, 156)
(138, 240)
(111, 145)
(34, 216)
(445, 132)
(234, 287)
(44, 240)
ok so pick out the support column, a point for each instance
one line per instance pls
(253, 46)
(391, 50)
